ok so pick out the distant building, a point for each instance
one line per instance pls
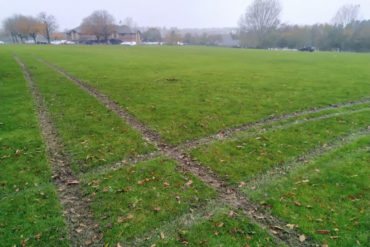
(119, 35)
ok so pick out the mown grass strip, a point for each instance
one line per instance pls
(93, 135)
(30, 214)
(83, 230)
(239, 160)
(130, 201)
(328, 199)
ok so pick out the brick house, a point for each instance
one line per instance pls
(120, 34)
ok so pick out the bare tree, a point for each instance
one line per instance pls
(49, 23)
(260, 17)
(10, 26)
(346, 15)
(35, 27)
(100, 23)
(21, 27)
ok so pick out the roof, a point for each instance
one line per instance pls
(119, 29)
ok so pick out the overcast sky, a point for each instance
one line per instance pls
(179, 13)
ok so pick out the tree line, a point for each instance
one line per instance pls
(260, 27)
(21, 27)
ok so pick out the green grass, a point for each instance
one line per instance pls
(238, 160)
(220, 229)
(210, 89)
(334, 196)
(133, 200)
(216, 87)
(93, 135)
(32, 217)
(29, 208)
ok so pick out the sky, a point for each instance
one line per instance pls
(177, 13)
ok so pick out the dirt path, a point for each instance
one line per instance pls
(278, 228)
(83, 229)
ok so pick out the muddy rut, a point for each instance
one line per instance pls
(83, 229)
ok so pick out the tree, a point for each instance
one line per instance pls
(152, 35)
(49, 25)
(10, 26)
(100, 23)
(261, 17)
(21, 27)
(34, 27)
(346, 15)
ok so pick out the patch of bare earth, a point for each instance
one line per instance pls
(83, 229)
(230, 195)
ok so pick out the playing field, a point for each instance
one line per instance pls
(183, 146)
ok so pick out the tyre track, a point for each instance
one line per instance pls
(224, 134)
(83, 229)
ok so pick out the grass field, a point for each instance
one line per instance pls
(307, 172)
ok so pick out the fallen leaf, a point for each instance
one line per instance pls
(88, 242)
(303, 181)
(188, 184)
(118, 245)
(323, 231)
(38, 236)
(162, 235)
(297, 204)
(70, 182)
(79, 230)
(279, 228)
(231, 213)
(241, 184)
(302, 238)
(130, 216)
(165, 184)
(292, 226)
(221, 224)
